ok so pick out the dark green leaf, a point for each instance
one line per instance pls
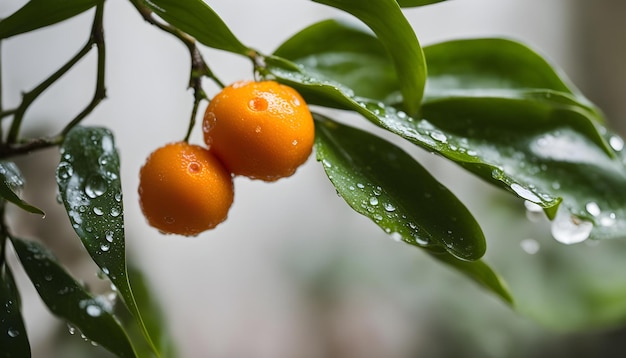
(68, 300)
(479, 271)
(546, 145)
(496, 68)
(11, 180)
(379, 180)
(13, 338)
(197, 19)
(40, 13)
(348, 54)
(385, 18)
(90, 188)
(413, 3)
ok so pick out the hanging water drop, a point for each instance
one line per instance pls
(616, 143)
(396, 236)
(569, 229)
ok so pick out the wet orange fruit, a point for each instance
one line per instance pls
(184, 189)
(262, 130)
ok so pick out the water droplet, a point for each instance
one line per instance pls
(95, 186)
(616, 143)
(360, 186)
(439, 137)
(326, 163)
(105, 270)
(71, 329)
(118, 197)
(294, 142)
(530, 246)
(396, 236)
(569, 229)
(107, 144)
(115, 212)
(593, 208)
(98, 211)
(48, 278)
(389, 207)
(374, 200)
(105, 247)
(65, 171)
(12, 332)
(524, 193)
(534, 212)
(109, 236)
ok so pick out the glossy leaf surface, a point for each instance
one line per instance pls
(13, 337)
(36, 14)
(382, 182)
(11, 180)
(89, 185)
(399, 40)
(197, 19)
(545, 144)
(68, 300)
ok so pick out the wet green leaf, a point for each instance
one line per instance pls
(68, 300)
(11, 180)
(384, 183)
(546, 145)
(197, 19)
(13, 337)
(36, 14)
(413, 3)
(90, 188)
(346, 53)
(387, 21)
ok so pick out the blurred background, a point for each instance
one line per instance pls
(294, 272)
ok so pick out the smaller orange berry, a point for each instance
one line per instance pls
(262, 130)
(184, 189)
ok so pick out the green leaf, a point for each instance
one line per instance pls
(68, 300)
(89, 185)
(413, 3)
(345, 53)
(385, 18)
(197, 19)
(384, 183)
(546, 145)
(13, 338)
(40, 13)
(478, 271)
(11, 180)
(497, 68)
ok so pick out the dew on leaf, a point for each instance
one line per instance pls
(95, 186)
(65, 171)
(98, 211)
(12, 332)
(593, 208)
(389, 207)
(524, 193)
(396, 236)
(373, 200)
(616, 143)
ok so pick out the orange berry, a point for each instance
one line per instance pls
(262, 130)
(184, 189)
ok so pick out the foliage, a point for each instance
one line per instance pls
(493, 106)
